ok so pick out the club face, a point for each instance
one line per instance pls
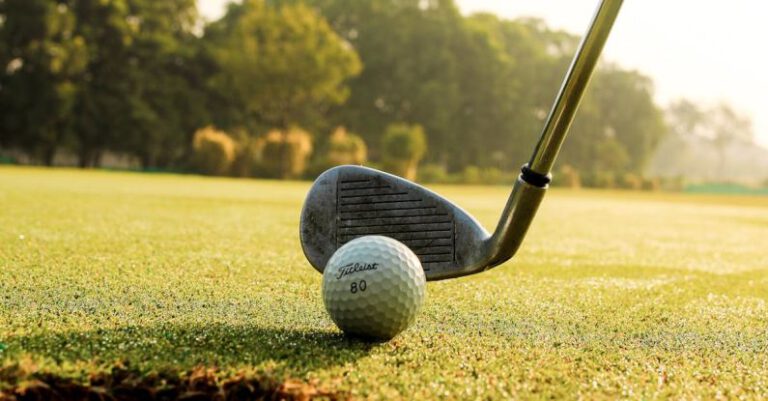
(348, 202)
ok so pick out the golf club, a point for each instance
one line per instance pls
(347, 202)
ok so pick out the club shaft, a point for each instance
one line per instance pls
(571, 92)
(532, 183)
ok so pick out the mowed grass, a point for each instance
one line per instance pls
(613, 295)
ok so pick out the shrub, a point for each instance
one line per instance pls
(433, 173)
(342, 147)
(470, 175)
(598, 179)
(651, 184)
(214, 151)
(631, 181)
(568, 177)
(486, 176)
(285, 152)
(604, 179)
(676, 183)
(403, 147)
(494, 176)
(612, 155)
(247, 155)
(345, 148)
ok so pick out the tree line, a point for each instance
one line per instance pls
(284, 88)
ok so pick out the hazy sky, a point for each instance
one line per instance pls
(707, 51)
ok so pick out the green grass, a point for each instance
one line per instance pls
(613, 295)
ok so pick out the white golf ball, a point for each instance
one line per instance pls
(373, 287)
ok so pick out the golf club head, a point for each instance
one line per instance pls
(348, 202)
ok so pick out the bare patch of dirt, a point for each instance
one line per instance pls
(123, 384)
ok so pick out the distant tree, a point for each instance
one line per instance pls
(474, 83)
(510, 107)
(490, 103)
(141, 93)
(625, 101)
(404, 146)
(94, 75)
(727, 127)
(277, 65)
(167, 94)
(685, 122)
(617, 121)
(104, 103)
(711, 143)
(41, 59)
(612, 156)
(685, 118)
(412, 73)
(133, 76)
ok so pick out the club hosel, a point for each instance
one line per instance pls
(515, 220)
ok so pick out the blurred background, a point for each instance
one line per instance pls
(440, 91)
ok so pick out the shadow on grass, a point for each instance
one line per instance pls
(185, 346)
(177, 361)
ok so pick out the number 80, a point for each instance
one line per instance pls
(358, 286)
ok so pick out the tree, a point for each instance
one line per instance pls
(278, 65)
(410, 71)
(617, 108)
(168, 76)
(139, 94)
(676, 153)
(473, 83)
(685, 118)
(42, 58)
(490, 106)
(132, 76)
(94, 75)
(727, 127)
(517, 94)
(626, 104)
(100, 109)
(709, 143)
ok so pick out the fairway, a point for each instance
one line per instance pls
(613, 294)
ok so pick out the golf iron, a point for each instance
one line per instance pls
(347, 202)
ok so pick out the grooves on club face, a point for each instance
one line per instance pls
(348, 202)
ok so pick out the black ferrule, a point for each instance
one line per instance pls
(534, 178)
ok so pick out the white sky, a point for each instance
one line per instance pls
(707, 51)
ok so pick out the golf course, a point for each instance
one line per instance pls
(139, 281)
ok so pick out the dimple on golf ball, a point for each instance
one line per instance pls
(373, 287)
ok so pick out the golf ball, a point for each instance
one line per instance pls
(373, 287)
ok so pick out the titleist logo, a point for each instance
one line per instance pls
(351, 268)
